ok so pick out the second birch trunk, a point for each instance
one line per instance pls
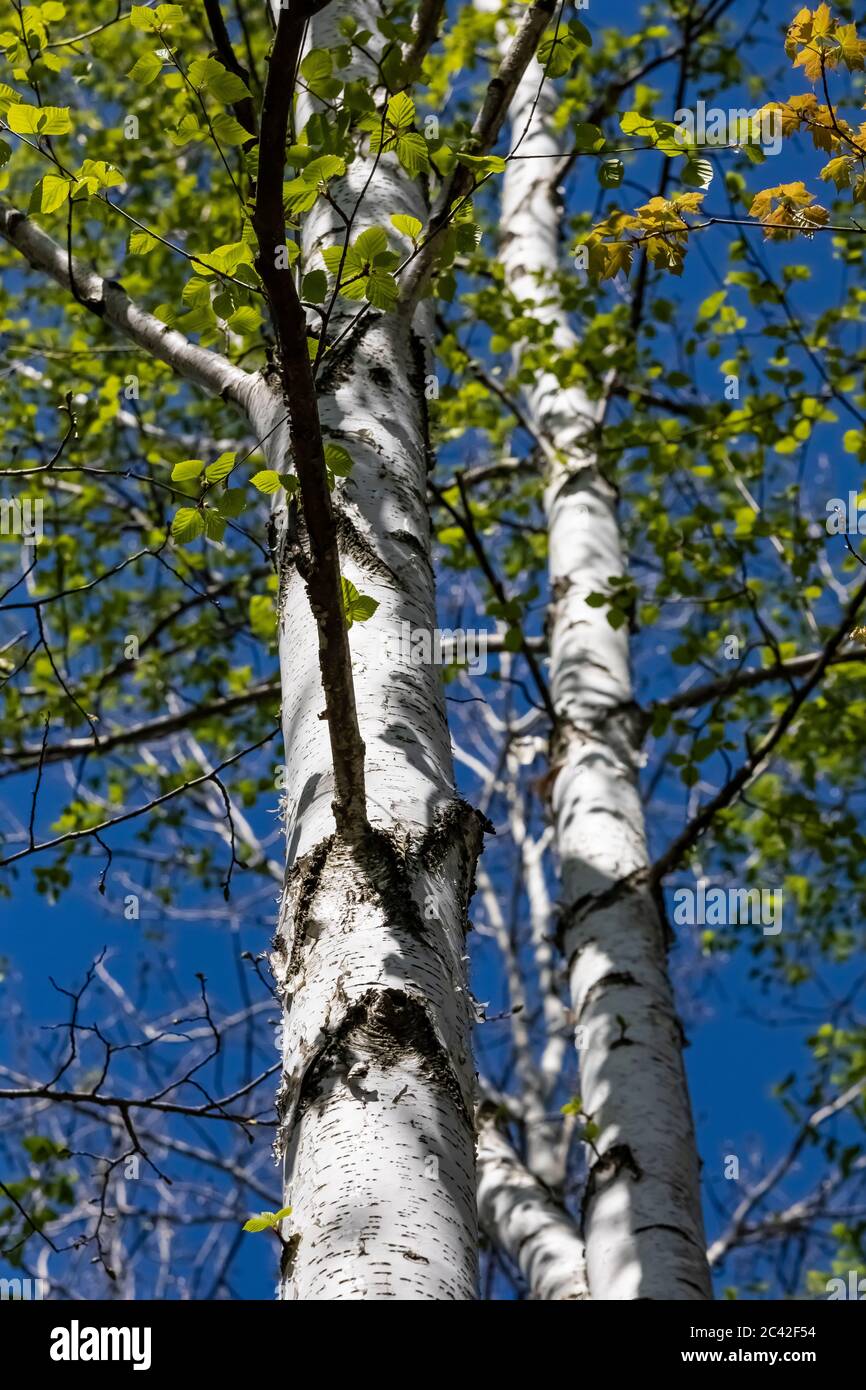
(641, 1210)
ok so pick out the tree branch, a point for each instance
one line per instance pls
(148, 731)
(244, 109)
(108, 300)
(322, 577)
(96, 830)
(425, 31)
(689, 837)
(488, 123)
(741, 679)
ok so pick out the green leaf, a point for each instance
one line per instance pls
(299, 195)
(558, 55)
(163, 17)
(55, 191)
(227, 130)
(327, 166)
(412, 153)
(207, 74)
(483, 163)
(188, 525)
(314, 287)
(214, 525)
(38, 120)
(142, 17)
(232, 502)
(227, 258)
(186, 471)
(712, 304)
(381, 290)
(262, 622)
(220, 468)
(265, 1221)
(146, 69)
(357, 607)
(409, 226)
(267, 481)
(95, 174)
(401, 112)
(55, 120)
(196, 292)
(332, 256)
(316, 70)
(227, 86)
(246, 319)
(5, 153)
(588, 137)
(370, 244)
(338, 459)
(610, 173)
(698, 173)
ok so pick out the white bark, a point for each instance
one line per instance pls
(523, 1218)
(377, 1096)
(641, 1211)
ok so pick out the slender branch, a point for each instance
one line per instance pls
(689, 837)
(322, 574)
(137, 810)
(148, 731)
(465, 521)
(711, 691)
(425, 31)
(212, 1111)
(733, 1234)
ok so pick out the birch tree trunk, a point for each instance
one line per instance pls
(521, 1215)
(376, 1101)
(641, 1211)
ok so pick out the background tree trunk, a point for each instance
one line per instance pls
(641, 1210)
(525, 1220)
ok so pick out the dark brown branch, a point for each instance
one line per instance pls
(244, 109)
(322, 577)
(461, 183)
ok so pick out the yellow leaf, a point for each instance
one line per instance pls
(823, 22)
(618, 256)
(852, 49)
